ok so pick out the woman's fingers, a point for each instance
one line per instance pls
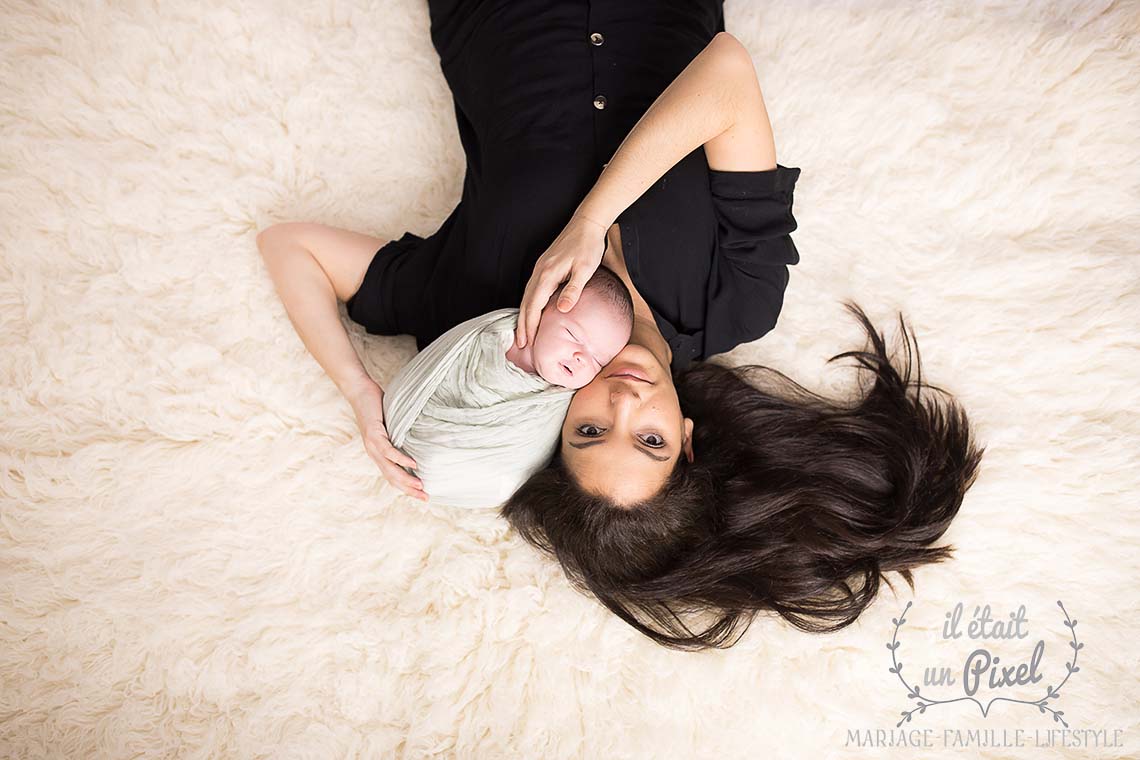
(387, 450)
(397, 458)
(574, 255)
(573, 290)
(531, 310)
(406, 482)
(368, 405)
(521, 338)
(400, 457)
(538, 291)
(534, 307)
(568, 297)
(390, 459)
(520, 330)
(525, 309)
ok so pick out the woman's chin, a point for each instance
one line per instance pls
(637, 356)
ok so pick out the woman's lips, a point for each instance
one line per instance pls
(633, 373)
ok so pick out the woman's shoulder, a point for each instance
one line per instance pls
(709, 250)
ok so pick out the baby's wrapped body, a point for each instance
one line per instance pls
(477, 425)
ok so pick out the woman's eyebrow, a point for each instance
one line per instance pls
(644, 451)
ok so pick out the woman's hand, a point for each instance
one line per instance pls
(574, 255)
(367, 400)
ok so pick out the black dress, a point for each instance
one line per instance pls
(544, 93)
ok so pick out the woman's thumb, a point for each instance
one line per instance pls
(569, 296)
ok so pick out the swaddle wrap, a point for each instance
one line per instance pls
(477, 425)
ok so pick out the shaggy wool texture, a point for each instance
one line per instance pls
(198, 559)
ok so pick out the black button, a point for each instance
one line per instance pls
(600, 102)
(597, 39)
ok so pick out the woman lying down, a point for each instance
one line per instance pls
(479, 415)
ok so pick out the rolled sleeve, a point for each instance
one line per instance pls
(753, 251)
(754, 215)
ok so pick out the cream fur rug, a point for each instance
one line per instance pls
(198, 559)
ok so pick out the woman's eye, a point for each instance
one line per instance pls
(593, 431)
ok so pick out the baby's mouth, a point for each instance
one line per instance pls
(565, 368)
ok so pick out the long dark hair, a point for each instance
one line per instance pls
(795, 503)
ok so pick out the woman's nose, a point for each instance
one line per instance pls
(623, 391)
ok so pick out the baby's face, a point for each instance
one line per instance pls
(571, 348)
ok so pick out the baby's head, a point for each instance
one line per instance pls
(570, 348)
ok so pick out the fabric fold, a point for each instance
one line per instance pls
(477, 425)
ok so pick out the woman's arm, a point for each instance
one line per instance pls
(310, 296)
(312, 267)
(715, 102)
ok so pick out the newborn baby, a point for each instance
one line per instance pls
(479, 415)
(570, 348)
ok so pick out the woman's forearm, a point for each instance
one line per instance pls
(696, 107)
(311, 304)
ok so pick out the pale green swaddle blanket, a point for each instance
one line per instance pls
(477, 425)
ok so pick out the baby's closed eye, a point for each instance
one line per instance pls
(597, 360)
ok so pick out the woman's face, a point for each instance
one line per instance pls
(622, 435)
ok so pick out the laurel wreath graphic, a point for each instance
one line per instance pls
(1051, 692)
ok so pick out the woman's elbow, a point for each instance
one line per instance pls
(732, 51)
(267, 236)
